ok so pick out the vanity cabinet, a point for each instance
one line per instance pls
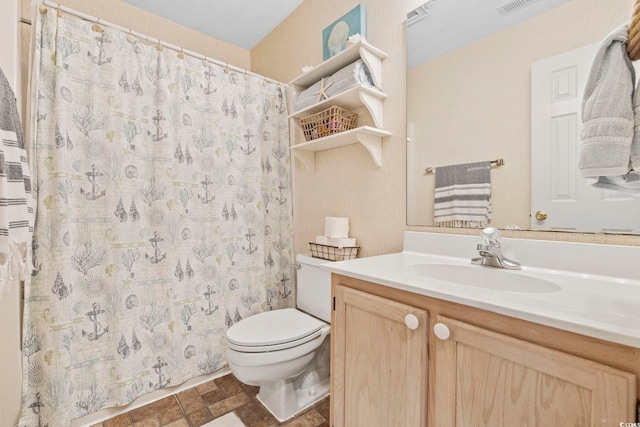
(379, 361)
(490, 379)
(484, 368)
(370, 137)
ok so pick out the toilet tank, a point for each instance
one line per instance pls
(313, 287)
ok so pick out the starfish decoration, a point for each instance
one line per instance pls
(322, 93)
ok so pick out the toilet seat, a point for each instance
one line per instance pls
(273, 330)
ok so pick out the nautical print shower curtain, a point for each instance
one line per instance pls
(163, 217)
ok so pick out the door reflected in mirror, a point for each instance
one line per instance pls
(469, 100)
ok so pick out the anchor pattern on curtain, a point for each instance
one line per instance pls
(163, 217)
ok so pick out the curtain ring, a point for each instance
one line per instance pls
(130, 37)
(58, 11)
(42, 9)
(226, 68)
(264, 83)
(181, 54)
(96, 27)
(246, 75)
(159, 45)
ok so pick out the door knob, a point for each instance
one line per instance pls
(541, 215)
(442, 331)
(411, 321)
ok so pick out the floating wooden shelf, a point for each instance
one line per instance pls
(370, 138)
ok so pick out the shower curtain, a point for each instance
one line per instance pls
(163, 217)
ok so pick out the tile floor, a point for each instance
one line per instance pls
(200, 405)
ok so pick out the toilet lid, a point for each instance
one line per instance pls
(272, 328)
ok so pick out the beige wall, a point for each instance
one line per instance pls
(9, 45)
(346, 183)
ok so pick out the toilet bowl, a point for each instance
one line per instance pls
(291, 369)
(287, 352)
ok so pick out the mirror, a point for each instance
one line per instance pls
(469, 90)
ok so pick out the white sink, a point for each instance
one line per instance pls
(483, 277)
(588, 289)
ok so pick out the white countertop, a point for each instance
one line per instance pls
(600, 306)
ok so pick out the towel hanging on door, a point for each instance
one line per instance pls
(463, 195)
(607, 110)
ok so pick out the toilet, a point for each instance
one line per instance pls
(286, 352)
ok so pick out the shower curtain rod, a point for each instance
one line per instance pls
(155, 41)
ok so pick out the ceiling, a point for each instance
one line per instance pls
(242, 23)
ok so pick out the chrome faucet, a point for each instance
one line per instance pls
(490, 251)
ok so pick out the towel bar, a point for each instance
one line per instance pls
(496, 163)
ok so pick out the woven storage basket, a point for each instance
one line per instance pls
(333, 253)
(327, 122)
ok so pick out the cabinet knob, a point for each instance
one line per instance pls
(442, 331)
(411, 321)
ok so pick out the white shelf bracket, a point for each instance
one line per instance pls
(374, 105)
(308, 159)
(373, 144)
(375, 65)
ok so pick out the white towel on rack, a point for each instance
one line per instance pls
(463, 195)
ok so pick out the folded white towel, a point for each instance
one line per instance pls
(352, 75)
(340, 242)
(607, 110)
(463, 195)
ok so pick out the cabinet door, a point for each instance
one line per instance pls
(379, 363)
(483, 378)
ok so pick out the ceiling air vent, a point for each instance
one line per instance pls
(417, 14)
(513, 6)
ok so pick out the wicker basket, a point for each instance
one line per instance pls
(327, 122)
(333, 253)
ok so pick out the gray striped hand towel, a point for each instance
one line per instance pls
(463, 195)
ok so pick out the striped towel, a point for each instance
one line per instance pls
(463, 195)
(16, 211)
(16, 201)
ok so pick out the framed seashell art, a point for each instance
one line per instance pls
(334, 37)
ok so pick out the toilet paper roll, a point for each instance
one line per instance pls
(336, 226)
